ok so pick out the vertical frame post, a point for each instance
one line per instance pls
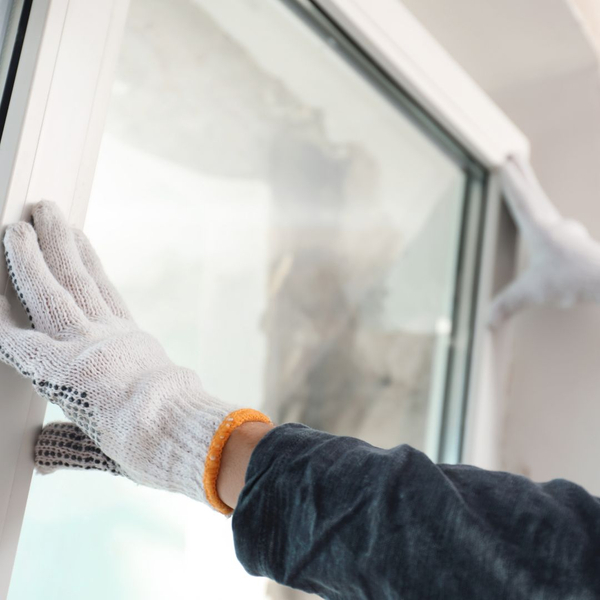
(49, 147)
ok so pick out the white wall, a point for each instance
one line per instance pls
(537, 62)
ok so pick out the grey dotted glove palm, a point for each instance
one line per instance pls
(564, 266)
(133, 411)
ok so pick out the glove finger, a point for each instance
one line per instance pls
(65, 446)
(529, 205)
(94, 267)
(515, 297)
(60, 252)
(23, 349)
(47, 303)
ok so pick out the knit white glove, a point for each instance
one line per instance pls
(564, 265)
(143, 416)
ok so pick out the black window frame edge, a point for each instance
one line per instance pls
(14, 63)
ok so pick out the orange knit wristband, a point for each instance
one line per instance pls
(215, 452)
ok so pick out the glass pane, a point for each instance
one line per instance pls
(13, 22)
(284, 229)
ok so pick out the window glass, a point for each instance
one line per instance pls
(286, 230)
(13, 22)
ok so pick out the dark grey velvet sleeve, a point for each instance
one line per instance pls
(346, 520)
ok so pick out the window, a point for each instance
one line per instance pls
(288, 222)
(272, 211)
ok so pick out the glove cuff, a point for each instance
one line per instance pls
(212, 465)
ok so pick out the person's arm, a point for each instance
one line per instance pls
(343, 519)
(235, 459)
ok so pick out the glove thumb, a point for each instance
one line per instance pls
(65, 446)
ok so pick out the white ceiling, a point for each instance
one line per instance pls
(508, 42)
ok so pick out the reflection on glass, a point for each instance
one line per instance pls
(12, 29)
(284, 230)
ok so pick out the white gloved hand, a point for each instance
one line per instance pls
(564, 265)
(152, 420)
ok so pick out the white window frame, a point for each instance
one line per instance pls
(50, 146)
(48, 151)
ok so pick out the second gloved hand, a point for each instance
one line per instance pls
(564, 266)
